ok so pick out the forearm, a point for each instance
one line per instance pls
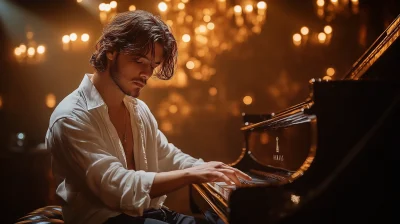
(167, 182)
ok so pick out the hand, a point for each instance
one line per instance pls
(217, 172)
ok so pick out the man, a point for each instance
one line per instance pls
(111, 162)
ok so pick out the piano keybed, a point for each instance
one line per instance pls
(259, 178)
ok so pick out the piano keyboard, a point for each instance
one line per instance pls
(258, 178)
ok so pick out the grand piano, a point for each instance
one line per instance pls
(330, 159)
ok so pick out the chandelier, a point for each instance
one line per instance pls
(107, 11)
(73, 42)
(326, 10)
(307, 36)
(173, 111)
(205, 28)
(329, 9)
(30, 52)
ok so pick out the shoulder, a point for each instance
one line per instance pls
(71, 108)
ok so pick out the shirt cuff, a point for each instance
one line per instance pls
(198, 162)
(134, 204)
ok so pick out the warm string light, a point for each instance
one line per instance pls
(247, 100)
(201, 29)
(51, 100)
(329, 74)
(132, 8)
(213, 91)
(74, 42)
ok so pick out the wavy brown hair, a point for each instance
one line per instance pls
(135, 33)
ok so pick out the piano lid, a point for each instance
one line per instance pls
(380, 57)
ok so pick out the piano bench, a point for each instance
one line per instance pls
(44, 215)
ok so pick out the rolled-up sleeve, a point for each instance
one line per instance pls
(75, 142)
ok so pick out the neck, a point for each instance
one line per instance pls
(108, 90)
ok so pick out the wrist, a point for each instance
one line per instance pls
(189, 176)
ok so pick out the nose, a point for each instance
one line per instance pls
(146, 74)
(147, 70)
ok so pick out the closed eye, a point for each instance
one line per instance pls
(142, 60)
(138, 60)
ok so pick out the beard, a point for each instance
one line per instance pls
(116, 77)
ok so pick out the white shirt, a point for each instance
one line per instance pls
(89, 162)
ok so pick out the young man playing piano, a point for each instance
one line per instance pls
(111, 162)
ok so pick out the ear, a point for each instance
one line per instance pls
(110, 55)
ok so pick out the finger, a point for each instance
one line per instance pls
(217, 164)
(231, 175)
(238, 173)
(242, 175)
(222, 177)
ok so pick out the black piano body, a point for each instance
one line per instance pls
(329, 159)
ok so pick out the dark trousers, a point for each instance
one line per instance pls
(156, 216)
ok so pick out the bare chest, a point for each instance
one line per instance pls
(123, 127)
